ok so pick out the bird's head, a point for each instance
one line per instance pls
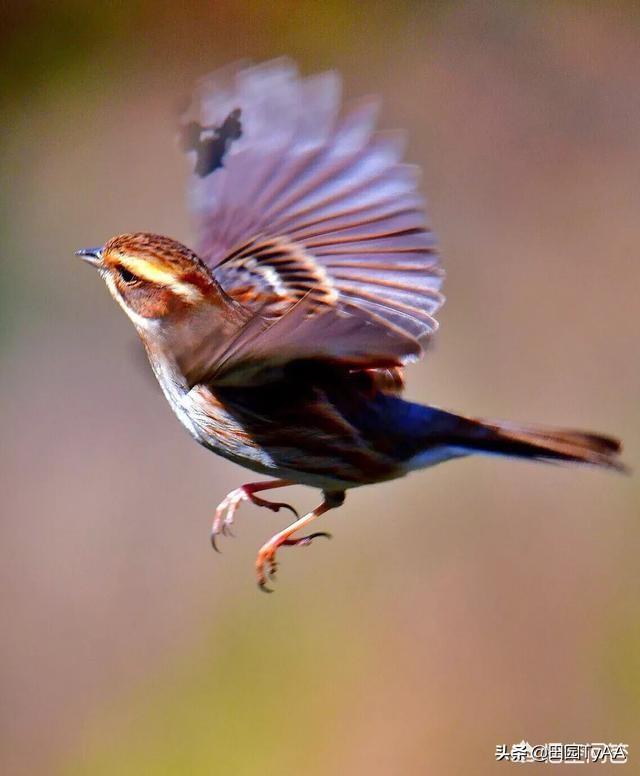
(180, 311)
(153, 278)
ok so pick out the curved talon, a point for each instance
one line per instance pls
(224, 514)
(305, 541)
(267, 574)
(227, 508)
(266, 565)
(278, 505)
(266, 568)
(274, 506)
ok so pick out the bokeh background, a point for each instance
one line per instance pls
(472, 605)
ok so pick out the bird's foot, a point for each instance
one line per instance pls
(225, 513)
(266, 564)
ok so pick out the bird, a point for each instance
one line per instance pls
(281, 341)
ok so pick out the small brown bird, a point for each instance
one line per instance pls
(281, 343)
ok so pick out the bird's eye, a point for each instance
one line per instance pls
(126, 276)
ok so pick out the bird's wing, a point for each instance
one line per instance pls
(309, 219)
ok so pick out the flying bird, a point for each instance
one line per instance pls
(281, 341)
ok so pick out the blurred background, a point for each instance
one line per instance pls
(472, 605)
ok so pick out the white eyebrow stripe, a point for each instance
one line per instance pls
(186, 291)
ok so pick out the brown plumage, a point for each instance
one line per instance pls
(281, 344)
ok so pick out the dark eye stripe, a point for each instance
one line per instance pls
(126, 276)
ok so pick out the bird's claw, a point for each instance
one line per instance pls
(225, 513)
(266, 565)
(274, 506)
(305, 541)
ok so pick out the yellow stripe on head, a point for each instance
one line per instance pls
(148, 270)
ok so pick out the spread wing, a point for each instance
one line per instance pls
(309, 220)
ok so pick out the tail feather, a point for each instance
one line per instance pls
(418, 436)
(539, 443)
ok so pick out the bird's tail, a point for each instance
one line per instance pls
(546, 444)
(537, 443)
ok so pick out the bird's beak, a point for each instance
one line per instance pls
(92, 256)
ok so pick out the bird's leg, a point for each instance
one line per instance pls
(225, 512)
(267, 554)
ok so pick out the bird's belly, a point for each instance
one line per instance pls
(282, 444)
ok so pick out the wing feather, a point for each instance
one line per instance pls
(310, 219)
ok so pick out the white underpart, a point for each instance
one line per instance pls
(433, 456)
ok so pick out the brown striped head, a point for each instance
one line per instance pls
(153, 277)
